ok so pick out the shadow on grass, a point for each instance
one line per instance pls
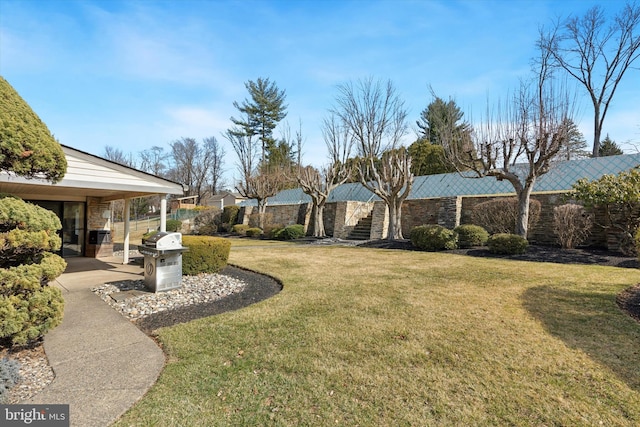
(590, 322)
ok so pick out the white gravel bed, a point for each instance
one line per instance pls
(140, 302)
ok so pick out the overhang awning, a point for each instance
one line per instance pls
(90, 176)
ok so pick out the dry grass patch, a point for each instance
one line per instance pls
(376, 337)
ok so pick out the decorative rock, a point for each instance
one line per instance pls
(141, 302)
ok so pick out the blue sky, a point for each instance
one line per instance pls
(134, 74)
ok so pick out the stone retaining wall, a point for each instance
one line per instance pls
(341, 217)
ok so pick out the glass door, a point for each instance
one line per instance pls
(73, 229)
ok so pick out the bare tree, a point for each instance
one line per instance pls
(255, 182)
(246, 149)
(216, 165)
(262, 185)
(192, 164)
(376, 119)
(318, 184)
(154, 161)
(116, 155)
(531, 128)
(392, 182)
(374, 115)
(596, 55)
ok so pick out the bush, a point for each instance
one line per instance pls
(29, 308)
(253, 232)
(638, 242)
(571, 224)
(174, 225)
(206, 254)
(499, 215)
(9, 376)
(290, 232)
(270, 230)
(230, 215)
(507, 244)
(240, 229)
(208, 221)
(432, 238)
(471, 235)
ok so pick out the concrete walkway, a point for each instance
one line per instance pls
(103, 364)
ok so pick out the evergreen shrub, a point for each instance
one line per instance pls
(240, 229)
(433, 238)
(9, 376)
(470, 235)
(270, 230)
(206, 254)
(507, 244)
(253, 232)
(208, 221)
(290, 232)
(174, 225)
(29, 307)
(230, 215)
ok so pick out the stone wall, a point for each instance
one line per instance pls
(98, 218)
(341, 217)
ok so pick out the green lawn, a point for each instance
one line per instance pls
(389, 338)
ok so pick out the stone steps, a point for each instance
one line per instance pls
(362, 230)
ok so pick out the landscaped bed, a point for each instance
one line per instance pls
(363, 336)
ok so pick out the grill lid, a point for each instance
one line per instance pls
(164, 240)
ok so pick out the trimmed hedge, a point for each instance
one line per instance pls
(290, 232)
(253, 232)
(507, 244)
(433, 238)
(240, 229)
(471, 235)
(206, 254)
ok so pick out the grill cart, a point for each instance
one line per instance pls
(163, 261)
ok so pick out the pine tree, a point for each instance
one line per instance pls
(576, 146)
(608, 147)
(261, 114)
(440, 116)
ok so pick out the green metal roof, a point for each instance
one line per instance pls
(559, 179)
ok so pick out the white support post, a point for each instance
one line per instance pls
(163, 213)
(125, 255)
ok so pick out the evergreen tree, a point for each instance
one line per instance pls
(608, 147)
(576, 145)
(29, 307)
(441, 116)
(428, 159)
(261, 114)
(27, 148)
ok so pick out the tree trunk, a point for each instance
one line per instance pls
(318, 224)
(394, 231)
(597, 131)
(262, 209)
(522, 221)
